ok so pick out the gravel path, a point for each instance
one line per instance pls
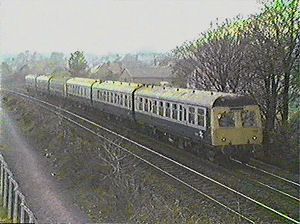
(47, 198)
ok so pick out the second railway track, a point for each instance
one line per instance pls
(246, 207)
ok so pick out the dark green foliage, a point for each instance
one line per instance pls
(77, 64)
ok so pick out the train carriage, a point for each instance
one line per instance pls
(42, 83)
(58, 86)
(30, 82)
(115, 97)
(184, 112)
(80, 89)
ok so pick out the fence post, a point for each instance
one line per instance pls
(9, 206)
(15, 215)
(5, 188)
(2, 178)
(22, 207)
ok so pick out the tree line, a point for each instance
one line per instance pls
(257, 56)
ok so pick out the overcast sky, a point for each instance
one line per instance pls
(113, 26)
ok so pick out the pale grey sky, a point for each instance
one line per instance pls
(116, 26)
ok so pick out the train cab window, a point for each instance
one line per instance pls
(226, 119)
(161, 108)
(154, 109)
(200, 117)
(191, 115)
(168, 110)
(146, 105)
(174, 111)
(126, 101)
(248, 119)
(140, 103)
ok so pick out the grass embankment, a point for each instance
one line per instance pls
(107, 184)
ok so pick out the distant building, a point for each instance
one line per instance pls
(146, 74)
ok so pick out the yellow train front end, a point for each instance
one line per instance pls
(236, 126)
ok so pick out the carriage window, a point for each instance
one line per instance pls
(226, 119)
(126, 101)
(248, 119)
(191, 115)
(141, 104)
(112, 97)
(200, 116)
(129, 102)
(154, 109)
(85, 92)
(98, 94)
(150, 105)
(146, 105)
(168, 110)
(184, 116)
(118, 99)
(174, 111)
(161, 108)
(180, 113)
(104, 96)
(121, 99)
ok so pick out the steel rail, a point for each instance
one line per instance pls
(162, 156)
(269, 173)
(268, 186)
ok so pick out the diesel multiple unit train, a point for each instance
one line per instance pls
(216, 121)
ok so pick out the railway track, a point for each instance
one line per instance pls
(245, 207)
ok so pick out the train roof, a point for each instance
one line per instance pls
(60, 79)
(124, 87)
(44, 77)
(190, 96)
(81, 81)
(31, 76)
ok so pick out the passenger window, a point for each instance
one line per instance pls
(126, 101)
(161, 108)
(129, 101)
(184, 114)
(141, 104)
(112, 97)
(226, 119)
(150, 105)
(180, 112)
(200, 116)
(248, 119)
(98, 94)
(154, 109)
(168, 110)
(146, 105)
(174, 111)
(191, 115)
(121, 99)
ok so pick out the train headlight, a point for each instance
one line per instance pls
(254, 137)
(223, 139)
